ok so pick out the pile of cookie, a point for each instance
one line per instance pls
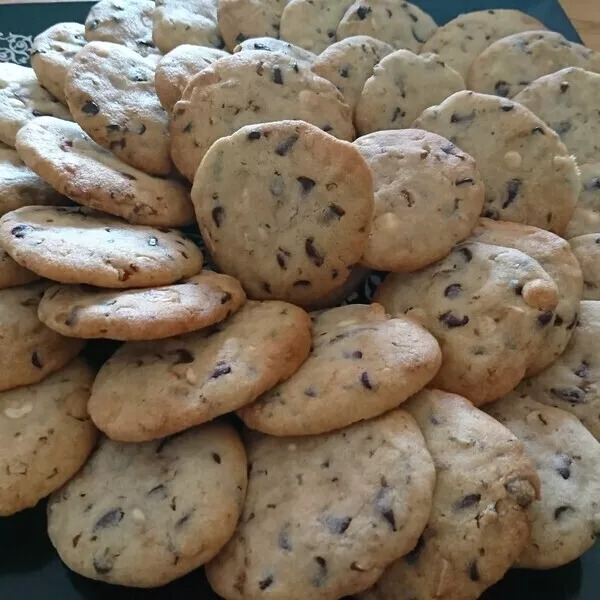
(250, 419)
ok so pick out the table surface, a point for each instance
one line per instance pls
(585, 15)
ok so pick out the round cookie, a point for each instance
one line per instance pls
(566, 519)
(460, 41)
(78, 245)
(586, 218)
(45, 436)
(528, 174)
(52, 53)
(171, 504)
(175, 70)
(240, 20)
(586, 249)
(22, 99)
(145, 314)
(361, 364)
(402, 86)
(11, 273)
(402, 25)
(300, 55)
(571, 383)
(325, 515)
(349, 63)
(147, 390)
(312, 24)
(19, 186)
(555, 256)
(510, 64)
(64, 156)
(426, 200)
(247, 88)
(126, 22)
(31, 350)
(479, 523)
(566, 101)
(111, 94)
(284, 208)
(487, 306)
(178, 22)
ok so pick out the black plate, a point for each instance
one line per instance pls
(30, 568)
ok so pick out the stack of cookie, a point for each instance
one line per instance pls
(253, 420)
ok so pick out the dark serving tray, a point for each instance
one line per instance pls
(30, 568)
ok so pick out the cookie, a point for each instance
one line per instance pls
(22, 99)
(177, 22)
(324, 515)
(126, 22)
(188, 380)
(426, 200)
(64, 156)
(111, 94)
(586, 218)
(300, 55)
(555, 256)
(19, 186)
(32, 351)
(349, 63)
(487, 306)
(460, 41)
(586, 249)
(45, 436)
(402, 86)
(479, 523)
(247, 88)
(52, 53)
(79, 245)
(402, 25)
(510, 64)
(175, 70)
(312, 24)
(566, 519)
(11, 273)
(142, 515)
(285, 208)
(146, 314)
(361, 364)
(566, 101)
(240, 20)
(571, 383)
(528, 173)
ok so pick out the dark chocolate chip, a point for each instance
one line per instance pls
(502, 88)
(337, 525)
(307, 183)
(457, 118)
(182, 521)
(561, 510)
(109, 519)
(564, 86)
(216, 457)
(563, 467)
(336, 211)
(220, 371)
(453, 290)
(545, 318)
(218, 215)
(283, 539)
(36, 361)
(362, 12)
(507, 107)
(284, 147)
(276, 76)
(90, 108)
(254, 135)
(383, 504)
(573, 395)
(226, 297)
(263, 584)
(310, 392)
(366, 381)
(467, 501)
(512, 191)
(267, 287)
(583, 371)
(451, 320)
(313, 253)
(319, 577)
(466, 254)
(398, 112)
(474, 571)
(183, 356)
(103, 565)
(188, 127)
(20, 231)
(158, 490)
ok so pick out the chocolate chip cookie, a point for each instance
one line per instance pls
(362, 364)
(79, 245)
(148, 390)
(52, 53)
(284, 208)
(111, 94)
(32, 351)
(142, 515)
(528, 173)
(45, 436)
(479, 523)
(566, 519)
(324, 515)
(63, 155)
(247, 88)
(487, 306)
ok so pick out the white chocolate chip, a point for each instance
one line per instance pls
(191, 376)
(291, 447)
(138, 515)
(17, 412)
(512, 160)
